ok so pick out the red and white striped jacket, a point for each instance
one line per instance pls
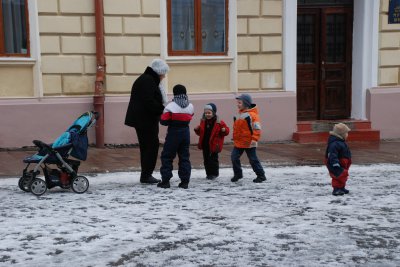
(176, 116)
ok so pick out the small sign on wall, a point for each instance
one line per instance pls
(394, 11)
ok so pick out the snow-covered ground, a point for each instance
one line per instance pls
(290, 220)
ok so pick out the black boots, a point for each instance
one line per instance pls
(260, 179)
(345, 190)
(337, 192)
(184, 185)
(236, 177)
(149, 180)
(164, 184)
(340, 191)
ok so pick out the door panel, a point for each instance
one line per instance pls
(324, 39)
(307, 63)
(336, 63)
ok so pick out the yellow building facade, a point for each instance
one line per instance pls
(55, 83)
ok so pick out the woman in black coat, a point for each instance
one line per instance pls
(144, 111)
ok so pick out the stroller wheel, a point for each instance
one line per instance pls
(38, 187)
(80, 184)
(24, 183)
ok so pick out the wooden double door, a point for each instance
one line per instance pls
(324, 62)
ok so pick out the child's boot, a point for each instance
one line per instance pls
(338, 192)
(164, 184)
(184, 185)
(236, 177)
(260, 178)
(346, 191)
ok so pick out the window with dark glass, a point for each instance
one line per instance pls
(197, 27)
(14, 28)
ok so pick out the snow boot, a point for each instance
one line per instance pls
(345, 190)
(236, 177)
(164, 184)
(183, 185)
(149, 180)
(260, 179)
(211, 177)
(338, 192)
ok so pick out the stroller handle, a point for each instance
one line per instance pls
(47, 148)
(41, 144)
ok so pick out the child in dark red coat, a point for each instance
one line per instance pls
(211, 132)
(338, 158)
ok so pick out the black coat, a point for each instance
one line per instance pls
(145, 105)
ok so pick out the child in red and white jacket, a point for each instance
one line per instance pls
(211, 132)
(177, 116)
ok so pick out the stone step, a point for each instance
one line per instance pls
(318, 131)
(326, 126)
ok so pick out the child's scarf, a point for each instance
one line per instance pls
(181, 100)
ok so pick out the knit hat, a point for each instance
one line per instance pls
(180, 96)
(246, 98)
(159, 66)
(212, 107)
(179, 89)
(340, 130)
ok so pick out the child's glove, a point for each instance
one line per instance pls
(253, 143)
(223, 130)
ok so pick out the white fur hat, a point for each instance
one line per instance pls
(340, 129)
(159, 66)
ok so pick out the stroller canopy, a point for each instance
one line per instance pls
(76, 135)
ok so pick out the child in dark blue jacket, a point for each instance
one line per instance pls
(177, 116)
(338, 158)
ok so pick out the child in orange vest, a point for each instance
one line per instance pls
(211, 132)
(246, 133)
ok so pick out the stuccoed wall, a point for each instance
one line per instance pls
(389, 49)
(259, 44)
(68, 44)
(16, 81)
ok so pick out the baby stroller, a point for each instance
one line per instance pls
(73, 142)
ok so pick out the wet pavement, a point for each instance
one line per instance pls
(126, 158)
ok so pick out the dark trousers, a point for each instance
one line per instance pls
(253, 159)
(211, 162)
(148, 144)
(176, 142)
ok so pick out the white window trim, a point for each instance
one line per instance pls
(230, 58)
(34, 46)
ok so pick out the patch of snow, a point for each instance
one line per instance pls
(290, 220)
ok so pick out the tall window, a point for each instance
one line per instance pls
(14, 28)
(197, 27)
